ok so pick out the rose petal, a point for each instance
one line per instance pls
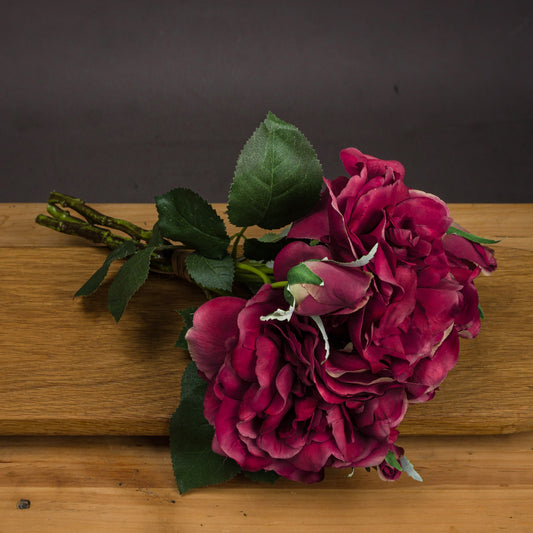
(214, 333)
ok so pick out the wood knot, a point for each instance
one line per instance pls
(23, 504)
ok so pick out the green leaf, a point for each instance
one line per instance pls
(128, 280)
(263, 476)
(124, 250)
(470, 236)
(187, 315)
(481, 312)
(390, 459)
(132, 275)
(277, 178)
(157, 238)
(214, 274)
(275, 237)
(287, 294)
(303, 274)
(263, 251)
(186, 217)
(194, 462)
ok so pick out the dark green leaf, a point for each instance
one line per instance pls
(275, 237)
(263, 476)
(194, 462)
(124, 250)
(128, 280)
(470, 236)
(302, 274)
(262, 251)
(214, 274)
(157, 238)
(187, 315)
(481, 313)
(391, 460)
(253, 286)
(186, 217)
(277, 178)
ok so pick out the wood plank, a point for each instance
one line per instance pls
(513, 222)
(67, 368)
(18, 227)
(126, 485)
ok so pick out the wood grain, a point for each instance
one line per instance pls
(513, 222)
(68, 369)
(126, 485)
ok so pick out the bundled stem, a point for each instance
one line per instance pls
(95, 217)
(72, 226)
(89, 229)
(167, 259)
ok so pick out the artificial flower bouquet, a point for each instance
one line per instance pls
(314, 338)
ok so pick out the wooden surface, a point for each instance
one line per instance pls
(471, 484)
(67, 368)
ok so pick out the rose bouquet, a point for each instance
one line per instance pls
(314, 339)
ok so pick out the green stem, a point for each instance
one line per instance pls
(73, 226)
(279, 284)
(62, 215)
(249, 268)
(265, 269)
(95, 217)
(236, 243)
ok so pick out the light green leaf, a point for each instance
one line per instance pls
(392, 461)
(124, 250)
(214, 274)
(187, 315)
(277, 178)
(193, 461)
(302, 274)
(470, 236)
(186, 217)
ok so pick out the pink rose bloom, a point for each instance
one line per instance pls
(373, 205)
(467, 259)
(269, 398)
(421, 294)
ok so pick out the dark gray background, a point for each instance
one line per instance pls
(123, 100)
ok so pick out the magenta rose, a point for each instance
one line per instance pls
(343, 290)
(269, 401)
(467, 260)
(374, 205)
(421, 293)
(388, 472)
